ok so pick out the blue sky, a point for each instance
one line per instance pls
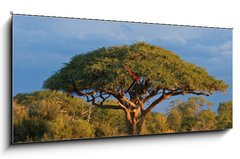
(41, 45)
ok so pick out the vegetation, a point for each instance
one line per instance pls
(99, 75)
(50, 115)
(225, 115)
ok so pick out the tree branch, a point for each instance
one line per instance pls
(163, 97)
(190, 92)
(132, 104)
(152, 94)
(101, 105)
(140, 104)
(121, 105)
(80, 93)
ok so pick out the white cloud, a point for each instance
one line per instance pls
(216, 50)
(174, 38)
(224, 48)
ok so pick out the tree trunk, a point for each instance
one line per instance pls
(134, 126)
(136, 129)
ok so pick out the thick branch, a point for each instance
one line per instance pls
(132, 104)
(121, 105)
(163, 97)
(140, 104)
(80, 93)
(190, 92)
(124, 101)
(101, 105)
(152, 94)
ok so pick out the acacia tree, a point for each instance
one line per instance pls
(101, 74)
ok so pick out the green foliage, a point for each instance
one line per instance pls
(108, 122)
(190, 115)
(225, 115)
(206, 120)
(50, 115)
(66, 127)
(175, 119)
(155, 123)
(51, 102)
(103, 69)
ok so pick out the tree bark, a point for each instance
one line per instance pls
(134, 130)
(134, 121)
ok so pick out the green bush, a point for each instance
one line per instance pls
(50, 115)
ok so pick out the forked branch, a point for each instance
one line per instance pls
(101, 103)
(170, 93)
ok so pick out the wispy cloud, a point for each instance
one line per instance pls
(216, 50)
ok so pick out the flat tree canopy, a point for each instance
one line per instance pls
(103, 69)
(101, 73)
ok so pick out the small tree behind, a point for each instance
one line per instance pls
(225, 115)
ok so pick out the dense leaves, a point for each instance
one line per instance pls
(50, 115)
(103, 69)
(225, 115)
(108, 122)
(155, 123)
(195, 114)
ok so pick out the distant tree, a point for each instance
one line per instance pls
(108, 72)
(224, 118)
(189, 115)
(206, 120)
(47, 115)
(155, 123)
(175, 119)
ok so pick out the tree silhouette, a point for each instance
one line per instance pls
(100, 74)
